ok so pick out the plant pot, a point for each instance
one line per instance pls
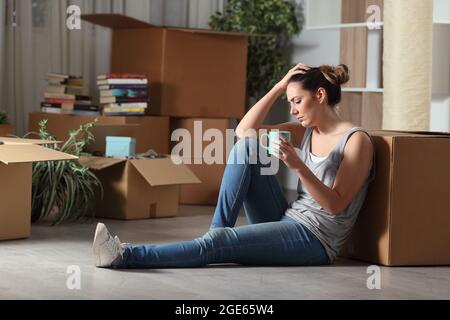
(6, 129)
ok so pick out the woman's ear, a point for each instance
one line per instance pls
(321, 95)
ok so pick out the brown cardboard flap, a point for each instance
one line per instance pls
(211, 32)
(7, 140)
(99, 163)
(22, 153)
(410, 133)
(162, 171)
(116, 21)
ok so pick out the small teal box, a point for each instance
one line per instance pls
(120, 146)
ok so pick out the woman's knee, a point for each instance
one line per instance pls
(243, 150)
(218, 236)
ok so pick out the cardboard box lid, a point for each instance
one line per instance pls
(23, 153)
(163, 171)
(213, 32)
(116, 21)
(119, 21)
(99, 163)
(157, 172)
(402, 133)
(8, 140)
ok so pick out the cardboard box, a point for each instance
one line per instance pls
(16, 158)
(191, 72)
(210, 175)
(405, 219)
(138, 189)
(6, 129)
(150, 132)
(206, 192)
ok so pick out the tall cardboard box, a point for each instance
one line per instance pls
(138, 188)
(405, 219)
(191, 72)
(16, 158)
(210, 175)
(150, 132)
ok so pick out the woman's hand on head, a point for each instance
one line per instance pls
(298, 69)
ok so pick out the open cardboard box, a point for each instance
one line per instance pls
(139, 188)
(181, 64)
(405, 219)
(135, 188)
(16, 158)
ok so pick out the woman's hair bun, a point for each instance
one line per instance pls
(337, 75)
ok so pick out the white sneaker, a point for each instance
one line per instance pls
(107, 250)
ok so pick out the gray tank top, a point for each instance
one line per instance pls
(331, 230)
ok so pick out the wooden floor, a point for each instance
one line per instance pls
(36, 268)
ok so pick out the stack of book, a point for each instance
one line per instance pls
(123, 93)
(66, 94)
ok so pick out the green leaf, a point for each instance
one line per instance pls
(65, 186)
(280, 20)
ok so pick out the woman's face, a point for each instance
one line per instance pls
(304, 105)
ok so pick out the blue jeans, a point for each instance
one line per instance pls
(270, 238)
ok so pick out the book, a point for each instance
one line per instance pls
(120, 75)
(123, 110)
(59, 96)
(79, 82)
(60, 101)
(77, 90)
(56, 110)
(69, 111)
(126, 105)
(85, 113)
(57, 89)
(124, 93)
(55, 75)
(122, 86)
(83, 102)
(122, 81)
(65, 89)
(66, 96)
(77, 106)
(121, 100)
(124, 114)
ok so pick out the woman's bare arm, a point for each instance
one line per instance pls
(350, 176)
(253, 119)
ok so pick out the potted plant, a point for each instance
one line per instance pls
(64, 190)
(274, 22)
(5, 128)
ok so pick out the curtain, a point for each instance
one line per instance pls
(34, 40)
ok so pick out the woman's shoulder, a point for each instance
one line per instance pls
(345, 126)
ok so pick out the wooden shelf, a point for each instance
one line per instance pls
(346, 25)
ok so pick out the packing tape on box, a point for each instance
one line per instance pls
(407, 64)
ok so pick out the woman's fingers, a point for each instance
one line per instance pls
(286, 140)
(304, 66)
(280, 145)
